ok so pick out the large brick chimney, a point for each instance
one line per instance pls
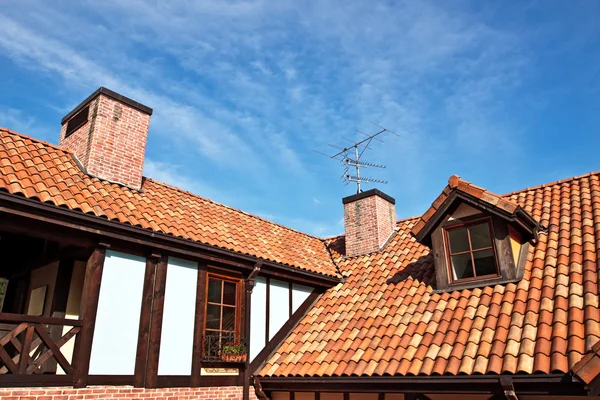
(107, 132)
(369, 221)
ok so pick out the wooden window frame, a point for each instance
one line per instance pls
(508, 269)
(449, 254)
(238, 303)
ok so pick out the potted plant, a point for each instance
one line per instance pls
(234, 352)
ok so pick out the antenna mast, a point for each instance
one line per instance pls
(352, 159)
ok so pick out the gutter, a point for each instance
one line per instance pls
(509, 386)
(138, 235)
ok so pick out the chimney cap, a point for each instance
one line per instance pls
(368, 193)
(111, 94)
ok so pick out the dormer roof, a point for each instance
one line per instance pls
(463, 191)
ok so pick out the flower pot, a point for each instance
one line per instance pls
(236, 358)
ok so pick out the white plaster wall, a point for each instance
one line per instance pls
(299, 294)
(279, 307)
(177, 337)
(118, 319)
(258, 318)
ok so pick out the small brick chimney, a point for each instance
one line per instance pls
(369, 221)
(108, 132)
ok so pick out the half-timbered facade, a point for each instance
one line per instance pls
(115, 285)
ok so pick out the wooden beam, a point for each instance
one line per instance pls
(156, 319)
(87, 313)
(268, 310)
(247, 306)
(545, 384)
(60, 298)
(198, 347)
(141, 358)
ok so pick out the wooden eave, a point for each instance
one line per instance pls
(519, 218)
(138, 236)
(551, 384)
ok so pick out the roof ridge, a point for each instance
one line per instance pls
(230, 207)
(54, 146)
(558, 182)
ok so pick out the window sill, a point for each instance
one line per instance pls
(472, 284)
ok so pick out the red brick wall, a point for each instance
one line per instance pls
(124, 392)
(368, 223)
(113, 142)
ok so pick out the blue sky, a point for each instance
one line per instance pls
(505, 94)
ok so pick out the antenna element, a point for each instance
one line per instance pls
(351, 158)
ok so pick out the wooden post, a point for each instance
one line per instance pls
(156, 319)
(87, 313)
(198, 348)
(141, 358)
(248, 286)
(59, 303)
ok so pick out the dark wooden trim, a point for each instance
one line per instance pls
(141, 358)
(200, 316)
(291, 309)
(521, 218)
(247, 305)
(346, 396)
(156, 320)
(292, 395)
(268, 310)
(317, 395)
(166, 381)
(87, 314)
(60, 298)
(283, 333)
(61, 288)
(139, 236)
(552, 384)
(117, 380)
(36, 380)
(24, 360)
(9, 317)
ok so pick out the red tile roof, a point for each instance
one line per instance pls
(386, 319)
(38, 170)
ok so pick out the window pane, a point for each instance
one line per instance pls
(213, 317)
(214, 290)
(462, 266)
(228, 318)
(459, 241)
(480, 236)
(229, 292)
(485, 264)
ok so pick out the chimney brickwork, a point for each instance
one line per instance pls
(369, 221)
(112, 143)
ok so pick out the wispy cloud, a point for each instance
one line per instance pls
(243, 91)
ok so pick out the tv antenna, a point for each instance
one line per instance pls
(351, 155)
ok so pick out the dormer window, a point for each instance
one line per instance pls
(471, 251)
(477, 238)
